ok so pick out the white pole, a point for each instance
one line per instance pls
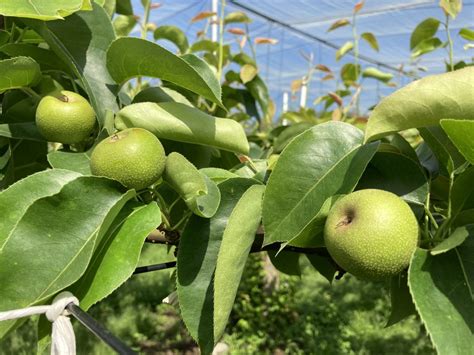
(214, 25)
(304, 93)
(285, 102)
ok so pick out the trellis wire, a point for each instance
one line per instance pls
(98, 330)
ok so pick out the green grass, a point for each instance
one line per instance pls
(303, 316)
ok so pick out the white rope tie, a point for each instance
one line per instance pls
(63, 341)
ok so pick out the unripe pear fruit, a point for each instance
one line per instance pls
(371, 234)
(134, 157)
(65, 117)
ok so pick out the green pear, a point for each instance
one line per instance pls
(134, 156)
(371, 234)
(65, 117)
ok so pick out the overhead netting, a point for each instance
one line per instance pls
(300, 26)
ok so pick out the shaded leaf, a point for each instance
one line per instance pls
(394, 172)
(286, 262)
(47, 59)
(402, 303)
(446, 153)
(462, 192)
(324, 265)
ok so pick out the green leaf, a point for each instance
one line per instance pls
(160, 94)
(344, 49)
(394, 172)
(425, 30)
(116, 257)
(56, 238)
(43, 10)
(350, 73)
(401, 300)
(124, 24)
(461, 133)
(467, 33)
(204, 45)
(199, 192)
(218, 175)
(18, 72)
(288, 134)
(424, 103)
(197, 258)
(24, 130)
(371, 39)
(451, 7)
(402, 146)
(441, 287)
(78, 162)
(4, 37)
(374, 73)
(125, 60)
(454, 240)
(47, 59)
(259, 91)
(235, 247)
(179, 122)
(247, 73)
(426, 46)
(462, 192)
(286, 262)
(324, 265)
(236, 17)
(442, 147)
(321, 162)
(173, 34)
(312, 236)
(124, 7)
(339, 23)
(15, 200)
(81, 41)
